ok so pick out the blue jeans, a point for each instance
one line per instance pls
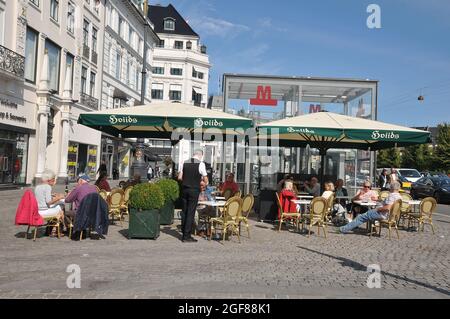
(361, 219)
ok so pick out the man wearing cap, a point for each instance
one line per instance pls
(78, 193)
(191, 173)
(381, 212)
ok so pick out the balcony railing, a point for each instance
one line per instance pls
(12, 62)
(86, 51)
(88, 101)
(201, 49)
(94, 57)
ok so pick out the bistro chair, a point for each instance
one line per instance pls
(287, 216)
(115, 202)
(98, 189)
(237, 194)
(330, 204)
(126, 198)
(405, 209)
(383, 195)
(318, 214)
(230, 218)
(227, 194)
(247, 205)
(51, 222)
(394, 215)
(103, 194)
(424, 216)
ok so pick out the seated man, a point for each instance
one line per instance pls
(49, 205)
(230, 184)
(78, 193)
(313, 187)
(203, 210)
(365, 194)
(376, 213)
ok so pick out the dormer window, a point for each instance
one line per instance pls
(169, 24)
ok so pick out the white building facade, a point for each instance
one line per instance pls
(58, 43)
(180, 63)
(123, 54)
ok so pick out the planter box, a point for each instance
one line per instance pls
(167, 212)
(144, 224)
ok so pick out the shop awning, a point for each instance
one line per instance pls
(159, 120)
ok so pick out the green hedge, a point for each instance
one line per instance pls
(146, 196)
(170, 189)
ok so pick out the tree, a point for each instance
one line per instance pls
(442, 153)
(390, 157)
(418, 157)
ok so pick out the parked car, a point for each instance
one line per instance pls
(410, 174)
(433, 174)
(437, 187)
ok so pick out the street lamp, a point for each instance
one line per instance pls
(139, 166)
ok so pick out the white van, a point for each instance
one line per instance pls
(409, 174)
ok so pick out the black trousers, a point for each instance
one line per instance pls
(189, 197)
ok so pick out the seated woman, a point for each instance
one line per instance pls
(49, 205)
(329, 190)
(102, 182)
(203, 210)
(287, 194)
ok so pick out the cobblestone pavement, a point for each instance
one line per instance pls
(269, 265)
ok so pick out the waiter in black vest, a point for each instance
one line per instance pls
(191, 173)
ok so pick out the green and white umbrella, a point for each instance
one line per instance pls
(159, 120)
(330, 130)
(325, 130)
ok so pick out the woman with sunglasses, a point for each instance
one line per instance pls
(365, 194)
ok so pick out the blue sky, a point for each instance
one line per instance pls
(409, 55)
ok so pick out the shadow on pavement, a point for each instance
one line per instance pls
(359, 267)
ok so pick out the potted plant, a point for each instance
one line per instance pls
(171, 193)
(145, 203)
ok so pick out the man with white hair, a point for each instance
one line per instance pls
(48, 203)
(191, 173)
(381, 212)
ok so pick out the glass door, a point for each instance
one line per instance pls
(6, 162)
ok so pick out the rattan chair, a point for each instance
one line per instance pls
(424, 216)
(247, 206)
(237, 194)
(318, 214)
(230, 218)
(405, 209)
(98, 189)
(51, 222)
(330, 203)
(228, 193)
(287, 216)
(103, 194)
(115, 202)
(392, 221)
(383, 195)
(126, 198)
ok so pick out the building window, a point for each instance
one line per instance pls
(121, 26)
(157, 91)
(161, 44)
(194, 73)
(200, 75)
(118, 66)
(169, 24)
(128, 78)
(2, 26)
(84, 80)
(70, 66)
(130, 37)
(178, 45)
(141, 47)
(175, 92)
(30, 55)
(70, 17)
(54, 8)
(35, 2)
(86, 33)
(94, 39)
(196, 97)
(137, 78)
(92, 84)
(176, 71)
(54, 56)
(157, 70)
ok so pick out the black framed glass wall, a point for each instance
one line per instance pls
(13, 157)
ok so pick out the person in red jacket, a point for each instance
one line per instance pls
(287, 194)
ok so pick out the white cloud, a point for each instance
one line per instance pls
(208, 26)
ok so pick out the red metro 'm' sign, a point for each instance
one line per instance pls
(264, 97)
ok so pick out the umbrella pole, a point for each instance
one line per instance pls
(322, 152)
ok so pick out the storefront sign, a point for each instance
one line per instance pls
(12, 117)
(264, 96)
(122, 120)
(315, 108)
(300, 130)
(8, 103)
